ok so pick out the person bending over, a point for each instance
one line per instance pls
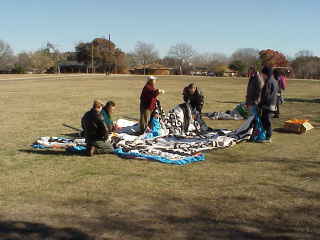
(148, 102)
(95, 131)
(269, 97)
(193, 96)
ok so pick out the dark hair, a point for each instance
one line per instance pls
(276, 73)
(110, 104)
(192, 85)
(252, 69)
(267, 71)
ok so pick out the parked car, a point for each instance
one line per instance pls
(211, 74)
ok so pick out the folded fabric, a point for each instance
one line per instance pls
(240, 112)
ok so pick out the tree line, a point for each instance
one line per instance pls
(102, 55)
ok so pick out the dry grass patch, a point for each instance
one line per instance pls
(251, 191)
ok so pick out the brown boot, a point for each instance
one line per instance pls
(91, 151)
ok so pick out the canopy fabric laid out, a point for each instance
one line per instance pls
(240, 112)
(182, 139)
(181, 150)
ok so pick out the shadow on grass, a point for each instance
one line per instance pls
(303, 100)
(283, 130)
(71, 135)
(231, 102)
(49, 152)
(14, 230)
(161, 221)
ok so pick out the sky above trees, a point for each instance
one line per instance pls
(207, 25)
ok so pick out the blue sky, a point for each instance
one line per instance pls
(208, 25)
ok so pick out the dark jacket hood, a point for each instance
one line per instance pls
(267, 71)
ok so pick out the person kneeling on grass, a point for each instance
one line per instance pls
(107, 112)
(269, 97)
(95, 131)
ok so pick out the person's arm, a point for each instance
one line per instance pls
(110, 127)
(101, 126)
(272, 96)
(185, 95)
(153, 92)
(200, 101)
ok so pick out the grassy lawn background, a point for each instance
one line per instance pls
(250, 191)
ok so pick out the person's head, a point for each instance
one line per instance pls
(276, 73)
(252, 70)
(266, 72)
(152, 80)
(110, 106)
(97, 105)
(156, 114)
(192, 88)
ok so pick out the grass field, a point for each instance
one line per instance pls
(250, 191)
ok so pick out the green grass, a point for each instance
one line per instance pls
(250, 191)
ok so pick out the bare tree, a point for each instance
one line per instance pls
(42, 61)
(183, 53)
(6, 56)
(248, 56)
(304, 53)
(144, 53)
(209, 60)
(56, 56)
(23, 62)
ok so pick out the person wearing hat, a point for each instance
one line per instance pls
(148, 102)
(269, 97)
(193, 96)
(95, 131)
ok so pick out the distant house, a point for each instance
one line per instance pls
(151, 69)
(72, 67)
(230, 73)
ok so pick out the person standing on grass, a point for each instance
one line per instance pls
(193, 96)
(254, 90)
(280, 78)
(269, 97)
(107, 112)
(95, 131)
(148, 102)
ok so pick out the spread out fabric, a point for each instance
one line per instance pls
(240, 112)
(181, 138)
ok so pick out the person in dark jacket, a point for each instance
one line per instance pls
(193, 96)
(254, 90)
(95, 131)
(148, 102)
(277, 76)
(269, 97)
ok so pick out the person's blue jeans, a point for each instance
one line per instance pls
(253, 109)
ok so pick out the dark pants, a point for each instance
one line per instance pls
(102, 147)
(277, 112)
(266, 116)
